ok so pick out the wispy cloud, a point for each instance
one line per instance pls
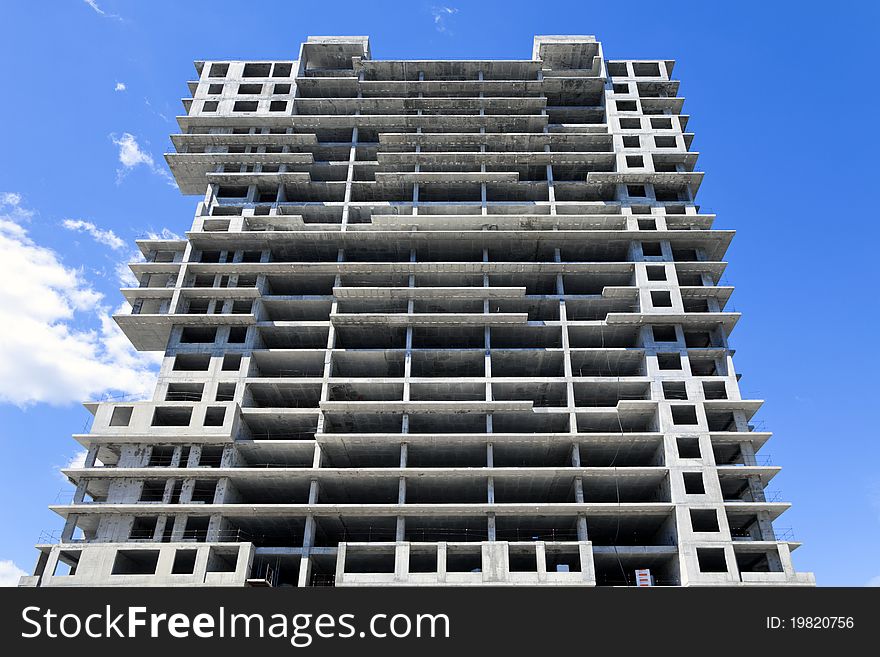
(874, 581)
(120, 86)
(58, 340)
(442, 15)
(10, 573)
(104, 14)
(164, 234)
(105, 237)
(156, 112)
(132, 155)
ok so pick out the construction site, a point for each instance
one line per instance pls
(435, 323)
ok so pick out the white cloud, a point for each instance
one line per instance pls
(874, 581)
(131, 155)
(120, 86)
(58, 341)
(94, 5)
(10, 573)
(164, 234)
(78, 460)
(440, 15)
(105, 237)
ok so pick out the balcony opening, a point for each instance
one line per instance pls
(184, 562)
(522, 559)
(222, 559)
(68, 561)
(646, 69)
(464, 559)
(184, 392)
(135, 562)
(218, 70)
(143, 528)
(257, 70)
(152, 491)
(198, 335)
(648, 224)
(714, 390)
(172, 416)
(423, 559)
(160, 456)
(196, 529)
(632, 141)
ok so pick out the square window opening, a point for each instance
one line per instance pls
(257, 70)
(237, 334)
(652, 249)
(674, 390)
(688, 447)
(121, 416)
(214, 416)
(135, 562)
(684, 415)
(656, 272)
(636, 190)
(661, 299)
(711, 560)
(664, 333)
(184, 562)
(693, 483)
(704, 520)
(669, 361)
(218, 70)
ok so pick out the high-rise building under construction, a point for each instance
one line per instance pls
(435, 323)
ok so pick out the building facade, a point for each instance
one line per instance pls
(435, 323)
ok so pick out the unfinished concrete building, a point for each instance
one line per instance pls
(435, 323)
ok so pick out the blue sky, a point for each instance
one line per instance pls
(781, 97)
